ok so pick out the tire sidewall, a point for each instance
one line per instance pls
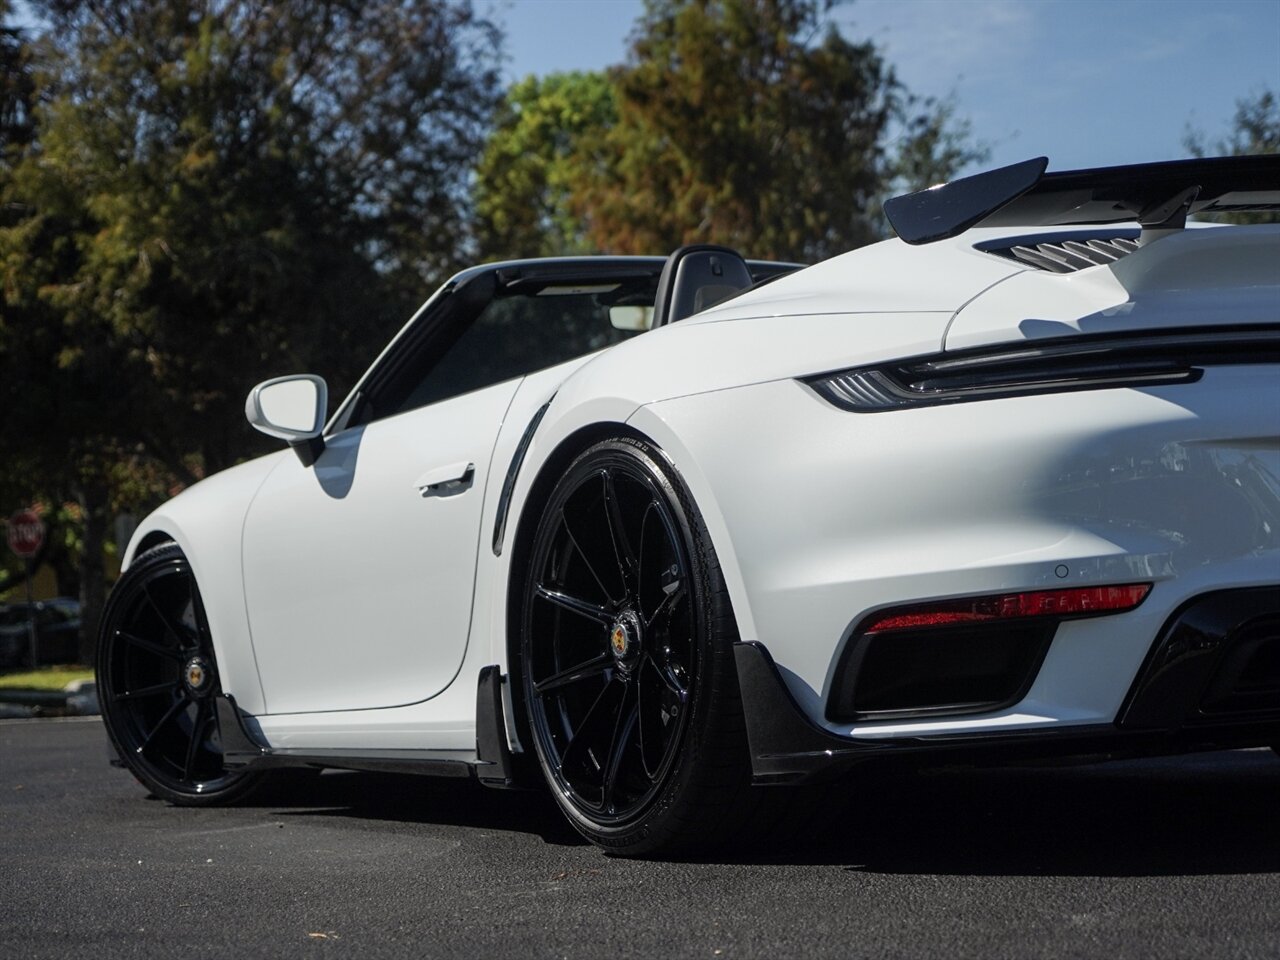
(651, 825)
(231, 786)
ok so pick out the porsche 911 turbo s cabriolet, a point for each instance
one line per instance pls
(662, 535)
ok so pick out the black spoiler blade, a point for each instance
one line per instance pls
(1024, 195)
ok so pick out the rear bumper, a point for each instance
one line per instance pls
(1209, 682)
(823, 518)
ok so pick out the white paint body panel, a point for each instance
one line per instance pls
(832, 515)
(1184, 280)
(371, 623)
(886, 277)
(358, 586)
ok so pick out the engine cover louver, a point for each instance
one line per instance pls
(1068, 256)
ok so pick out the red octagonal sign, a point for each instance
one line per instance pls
(26, 533)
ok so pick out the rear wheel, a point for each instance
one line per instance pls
(626, 658)
(157, 680)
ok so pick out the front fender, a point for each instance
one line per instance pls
(207, 522)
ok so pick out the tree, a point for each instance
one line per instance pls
(219, 191)
(1255, 129)
(933, 145)
(746, 122)
(734, 125)
(544, 143)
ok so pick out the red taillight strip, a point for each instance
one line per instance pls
(1074, 602)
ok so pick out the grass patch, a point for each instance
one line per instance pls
(46, 678)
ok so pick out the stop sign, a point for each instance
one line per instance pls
(26, 533)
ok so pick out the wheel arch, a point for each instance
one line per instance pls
(206, 521)
(149, 541)
(521, 543)
(646, 426)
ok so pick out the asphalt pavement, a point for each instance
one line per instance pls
(1158, 858)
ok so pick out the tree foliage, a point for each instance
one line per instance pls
(747, 122)
(199, 194)
(932, 146)
(545, 143)
(217, 191)
(1255, 129)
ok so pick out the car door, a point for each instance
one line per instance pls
(358, 571)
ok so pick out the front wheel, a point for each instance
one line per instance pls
(157, 679)
(626, 658)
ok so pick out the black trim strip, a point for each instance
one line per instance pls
(496, 765)
(240, 749)
(786, 747)
(1059, 365)
(1202, 646)
(513, 471)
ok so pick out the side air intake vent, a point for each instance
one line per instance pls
(1067, 256)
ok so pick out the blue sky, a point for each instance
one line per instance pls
(1084, 82)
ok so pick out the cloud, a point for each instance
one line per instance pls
(935, 43)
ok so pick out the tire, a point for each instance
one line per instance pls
(626, 659)
(157, 680)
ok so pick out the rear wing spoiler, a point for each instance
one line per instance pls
(1159, 196)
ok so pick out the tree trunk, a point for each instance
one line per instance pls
(95, 504)
(62, 562)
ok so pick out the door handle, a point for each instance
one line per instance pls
(446, 481)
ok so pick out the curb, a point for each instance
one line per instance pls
(79, 699)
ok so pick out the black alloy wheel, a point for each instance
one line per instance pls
(157, 683)
(626, 660)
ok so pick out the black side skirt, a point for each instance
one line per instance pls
(492, 763)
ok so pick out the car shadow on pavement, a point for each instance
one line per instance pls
(1195, 815)
(414, 799)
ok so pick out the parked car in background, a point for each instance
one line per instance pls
(57, 632)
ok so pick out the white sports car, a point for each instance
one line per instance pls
(661, 532)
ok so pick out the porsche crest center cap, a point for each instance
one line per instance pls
(620, 641)
(624, 639)
(196, 675)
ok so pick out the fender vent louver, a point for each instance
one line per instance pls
(1068, 256)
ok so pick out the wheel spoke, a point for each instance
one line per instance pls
(591, 668)
(611, 549)
(674, 594)
(151, 691)
(169, 714)
(150, 646)
(651, 564)
(165, 729)
(622, 733)
(596, 718)
(581, 607)
(622, 550)
(671, 680)
(179, 632)
(197, 736)
(577, 545)
(648, 736)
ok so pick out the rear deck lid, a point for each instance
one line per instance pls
(1228, 276)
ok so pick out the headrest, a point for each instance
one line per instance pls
(697, 277)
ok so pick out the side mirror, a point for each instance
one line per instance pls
(291, 409)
